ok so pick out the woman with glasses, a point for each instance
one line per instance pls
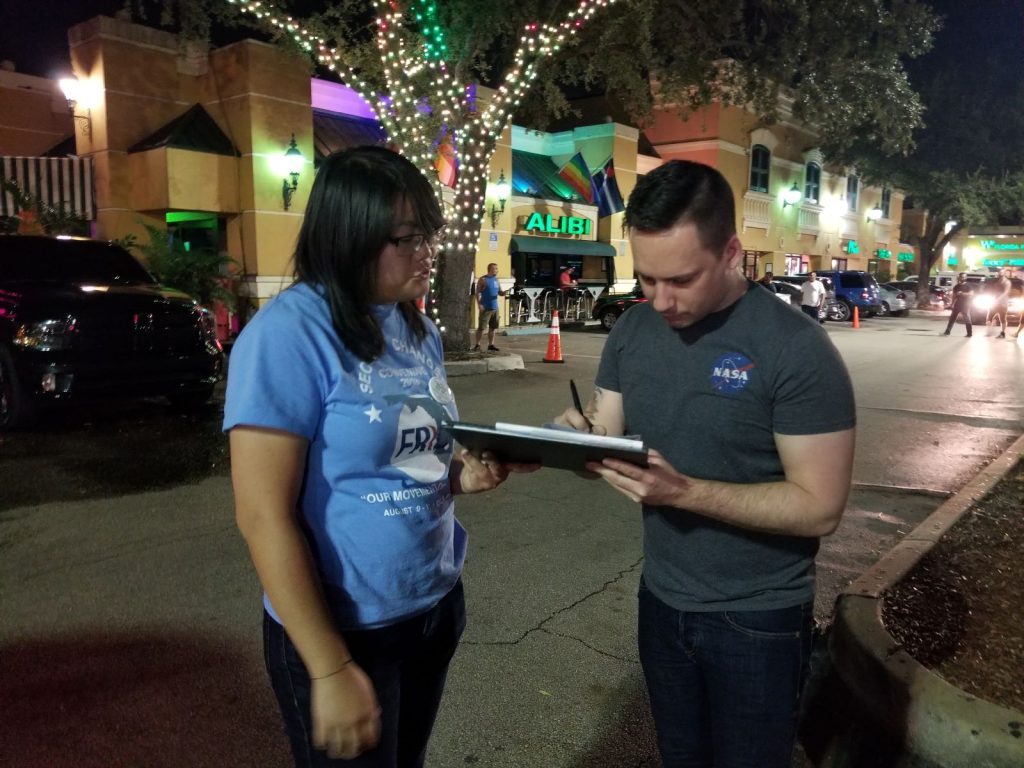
(344, 476)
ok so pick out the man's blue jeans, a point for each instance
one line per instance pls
(408, 664)
(724, 686)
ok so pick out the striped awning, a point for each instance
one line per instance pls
(59, 181)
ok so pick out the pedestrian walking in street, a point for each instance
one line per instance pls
(1001, 305)
(749, 416)
(812, 296)
(487, 292)
(343, 479)
(962, 293)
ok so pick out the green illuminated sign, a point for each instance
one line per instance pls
(1004, 262)
(852, 247)
(883, 253)
(952, 261)
(905, 257)
(565, 225)
(992, 245)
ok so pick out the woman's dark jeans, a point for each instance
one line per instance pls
(407, 662)
(724, 686)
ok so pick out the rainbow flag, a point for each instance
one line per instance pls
(446, 164)
(577, 176)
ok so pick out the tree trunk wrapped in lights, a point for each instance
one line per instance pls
(423, 95)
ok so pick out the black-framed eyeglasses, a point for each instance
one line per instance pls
(413, 243)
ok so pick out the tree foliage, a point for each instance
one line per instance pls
(199, 272)
(36, 216)
(839, 61)
(967, 163)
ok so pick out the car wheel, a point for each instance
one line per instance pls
(608, 318)
(843, 311)
(190, 399)
(16, 407)
(884, 311)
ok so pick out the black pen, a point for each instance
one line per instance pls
(579, 406)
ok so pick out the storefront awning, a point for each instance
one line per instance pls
(58, 181)
(528, 244)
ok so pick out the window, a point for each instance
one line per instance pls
(812, 182)
(886, 201)
(838, 263)
(760, 162)
(750, 262)
(852, 193)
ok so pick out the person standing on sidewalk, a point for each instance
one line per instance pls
(343, 479)
(962, 292)
(748, 414)
(487, 292)
(812, 296)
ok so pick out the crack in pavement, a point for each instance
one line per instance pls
(541, 628)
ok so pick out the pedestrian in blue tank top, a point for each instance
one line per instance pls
(487, 292)
(342, 474)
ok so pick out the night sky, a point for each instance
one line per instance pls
(33, 33)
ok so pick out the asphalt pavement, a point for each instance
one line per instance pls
(130, 625)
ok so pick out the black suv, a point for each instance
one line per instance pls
(82, 318)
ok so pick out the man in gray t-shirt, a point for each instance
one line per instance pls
(750, 414)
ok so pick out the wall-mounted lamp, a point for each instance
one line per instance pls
(293, 162)
(875, 214)
(792, 196)
(74, 91)
(502, 189)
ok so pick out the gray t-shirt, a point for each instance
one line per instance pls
(710, 398)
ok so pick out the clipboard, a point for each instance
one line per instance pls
(557, 448)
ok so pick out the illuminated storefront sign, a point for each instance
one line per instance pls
(564, 225)
(883, 253)
(851, 247)
(992, 245)
(905, 257)
(1004, 262)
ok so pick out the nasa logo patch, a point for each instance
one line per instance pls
(731, 373)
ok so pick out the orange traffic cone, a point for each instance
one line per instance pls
(554, 353)
(856, 318)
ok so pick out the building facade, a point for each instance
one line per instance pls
(795, 211)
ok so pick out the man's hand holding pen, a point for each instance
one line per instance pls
(575, 417)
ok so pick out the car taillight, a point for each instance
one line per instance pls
(45, 335)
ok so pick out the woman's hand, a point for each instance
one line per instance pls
(484, 474)
(345, 713)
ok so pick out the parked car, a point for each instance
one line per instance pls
(609, 307)
(791, 294)
(985, 298)
(937, 297)
(895, 302)
(832, 309)
(854, 288)
(82, 318)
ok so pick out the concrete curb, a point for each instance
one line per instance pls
(933, 720)
(486, 364)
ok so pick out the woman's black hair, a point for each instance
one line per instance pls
(353, 205)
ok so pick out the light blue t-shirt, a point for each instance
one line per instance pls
(376, 503)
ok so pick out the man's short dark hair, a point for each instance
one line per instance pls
(683, 192)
